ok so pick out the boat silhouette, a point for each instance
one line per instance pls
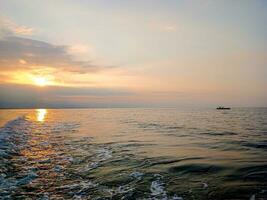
(223, 108)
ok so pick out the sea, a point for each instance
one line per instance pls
(133, 153)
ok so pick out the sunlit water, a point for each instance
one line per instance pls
(133, 154)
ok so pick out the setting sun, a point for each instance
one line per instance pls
(41, 81)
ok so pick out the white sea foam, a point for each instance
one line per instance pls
(69, 159)
(205, 185)
(104, 154)
(93, 165)
(158, 191)
(83, 185)
(157, 188)
(13, 137)
(137, 175)
(45, 196)
(89, 167)
(253, 197)
(58, 168)
(77, 197)
(175, 197)
(124, 189)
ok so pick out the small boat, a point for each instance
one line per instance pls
(223, 108)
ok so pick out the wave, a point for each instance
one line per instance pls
(257, 145)
(199, 168)
(222, 133)
(250, 173)
(171, 161)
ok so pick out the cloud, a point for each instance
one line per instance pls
(81, 51)
(8, 27)
(169, 28)
(78, 48)
(22, 53)
(27, 96)
(21, 61)
(18, 96)
(18, 53)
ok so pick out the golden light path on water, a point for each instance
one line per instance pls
(40, 114)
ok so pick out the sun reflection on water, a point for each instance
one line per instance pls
(40, 114)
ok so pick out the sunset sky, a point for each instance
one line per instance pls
(120, 53)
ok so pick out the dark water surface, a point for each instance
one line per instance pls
(133, 154)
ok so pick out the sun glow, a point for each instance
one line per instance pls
(40, 81)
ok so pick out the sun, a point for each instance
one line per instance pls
(40, 81)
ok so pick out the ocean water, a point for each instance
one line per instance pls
(133, 154)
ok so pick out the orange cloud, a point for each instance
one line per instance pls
(11, 27)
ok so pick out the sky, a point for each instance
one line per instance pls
(122, 53)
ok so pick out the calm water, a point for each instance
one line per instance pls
(133, 154)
